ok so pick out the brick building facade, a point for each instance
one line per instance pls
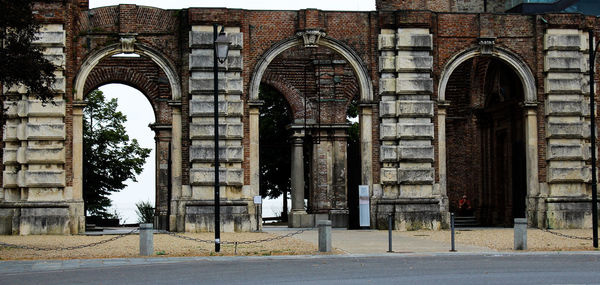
(455, 98)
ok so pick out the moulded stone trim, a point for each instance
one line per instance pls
(569, 174)
(207, 131)
(44, 178)
(206, 176)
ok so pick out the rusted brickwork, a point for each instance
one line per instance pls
(415, 68)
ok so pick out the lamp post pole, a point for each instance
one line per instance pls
(216, 133)
(593, 139)
(220, 51)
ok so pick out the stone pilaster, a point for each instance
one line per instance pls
(34, 153)
(567, 128)
(198, 217)
(406, 129)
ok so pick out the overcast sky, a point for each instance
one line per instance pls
(139, 113)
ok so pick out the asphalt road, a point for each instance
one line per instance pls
(435, 269)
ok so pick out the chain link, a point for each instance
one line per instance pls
(69, 247)
(235, 242)
(565, 235)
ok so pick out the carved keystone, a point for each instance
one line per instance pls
(311, 37)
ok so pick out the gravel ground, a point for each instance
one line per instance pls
(164, 246)
(502, 239)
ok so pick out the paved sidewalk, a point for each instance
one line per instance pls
(376, 242)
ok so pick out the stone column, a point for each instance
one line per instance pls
(366, 145)
(298, 217)
(176, 171)
(254, 146)
(163, 141)
(297, 175)
(442, 191)
(77, 208)
(535, 206)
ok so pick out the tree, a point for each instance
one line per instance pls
(20, 61)
(109, 157)
(275, 154)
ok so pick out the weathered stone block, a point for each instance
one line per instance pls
(386, 42)
(201, 38)
(389, 176)
(558, 61)
(566, 130)
(389, 153)
(41, 156)
(52, 131)
(415, 131)
(44, 178)
(50, 38)
(387, 109)
(9, 156)
(203, 59)
(415, 176)
(206, 176)
(38, 221)
(565, 85)
(566, 152)
(387, 131)
(387, 64)
(10, 179)
(206, 108)
(566, 108)
(569, 40)
(414, 83)
(411, 108)
(415, 153)
(39, 109)
(207, 131)
(569, 174)
(387, 85)
(206, 153)
(414, 38)
(413, 61)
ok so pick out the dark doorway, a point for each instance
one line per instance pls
(486, 141)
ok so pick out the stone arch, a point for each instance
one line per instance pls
(93, 60)
(366, 86)
(530, 105)
(524, 72)
(365, 91)
(168, 136)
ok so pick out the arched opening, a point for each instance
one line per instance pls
(320, 85)
(486, 142)
(133, 104)
(149, 72)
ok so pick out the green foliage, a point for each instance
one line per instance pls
(275, 154)
(145, 212)
(109, 157)
(20, 62)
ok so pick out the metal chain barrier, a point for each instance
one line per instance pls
(236, 242)
(565, 235)
(69, 247)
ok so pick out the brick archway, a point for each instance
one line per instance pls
(99, 69)
(530, 113)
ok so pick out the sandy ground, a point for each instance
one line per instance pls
(164, 246)
(502, 239)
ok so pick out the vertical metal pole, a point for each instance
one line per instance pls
(216, 103)
(390, 218)
(453, 248)
(593, 142)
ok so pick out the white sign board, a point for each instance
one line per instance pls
(363, 206)
(257, 200)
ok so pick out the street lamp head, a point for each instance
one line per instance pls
(222, 46)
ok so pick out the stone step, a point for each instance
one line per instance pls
(466, 222)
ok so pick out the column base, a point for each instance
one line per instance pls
(300, 219)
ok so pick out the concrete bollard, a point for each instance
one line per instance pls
(324, 235)
(520, 233)
(146, 239)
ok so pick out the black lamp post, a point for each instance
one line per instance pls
(593, 50)
(221, 49)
